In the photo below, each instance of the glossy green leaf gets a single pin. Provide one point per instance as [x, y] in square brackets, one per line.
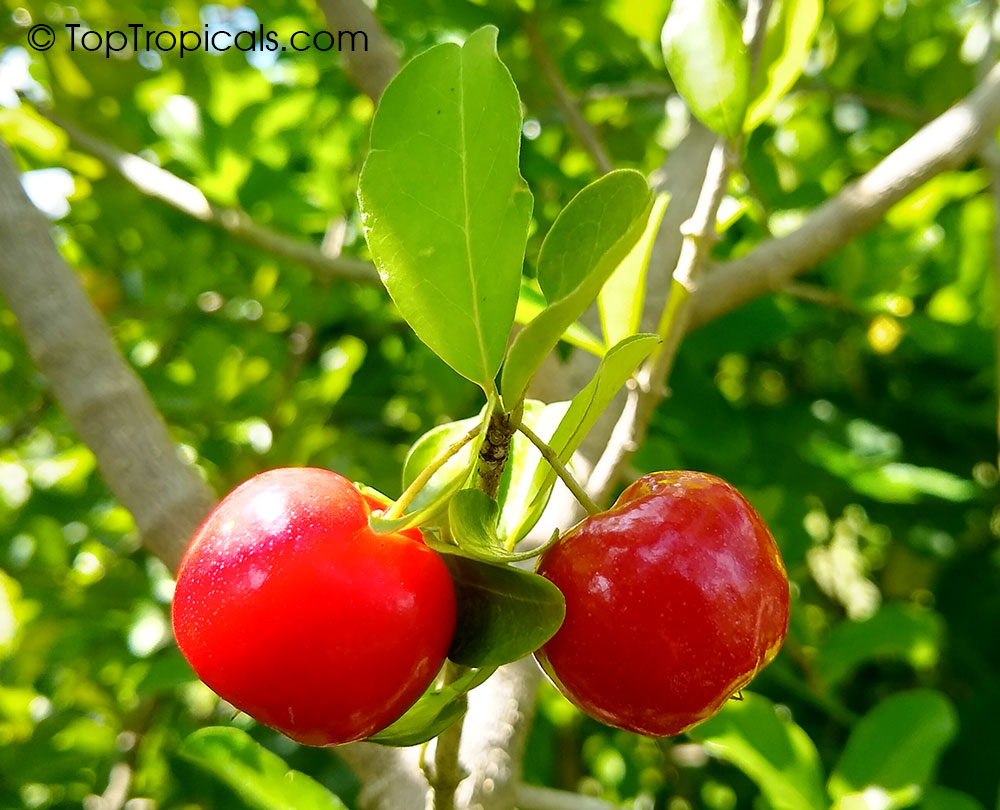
[443, 204]
[703, 47]
[623, 295]
[791, 27]
[905, 632]
[895, 745]
[617, 366]
[589, 238]
[504, 613]
[435, 711]
[433, 497]
[769, 748]
[260, 778]
[531, 302]
[472, 517]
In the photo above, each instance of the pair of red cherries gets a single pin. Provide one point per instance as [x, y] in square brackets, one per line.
[293, 609]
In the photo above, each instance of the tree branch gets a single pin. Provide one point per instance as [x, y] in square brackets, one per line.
[371, 69]
[103, 398]
[945, 143]
[187, 198]
[579, 126]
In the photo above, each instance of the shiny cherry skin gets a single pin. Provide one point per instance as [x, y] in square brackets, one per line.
[675, 598]
[291, 608]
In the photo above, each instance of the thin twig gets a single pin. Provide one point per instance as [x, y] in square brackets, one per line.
[187, 198]
[580, 126]
[404, 500]
[560, 469]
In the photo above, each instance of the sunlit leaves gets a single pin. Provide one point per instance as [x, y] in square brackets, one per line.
[259, 777]
[769, 748]
[703, 48]
[443, 204]
[591, 235]
[791, 26]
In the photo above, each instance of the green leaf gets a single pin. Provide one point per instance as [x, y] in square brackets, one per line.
[897, 631]
[447, 480]
[791, 27]
[531, 302]
[443, 204]
[583, 411]
[769, 748]
[591, 235]
[941, 798]
[896, 745]
[503, 613]
[262, 779]
[517, 491]
[707, 60]
[624, 294]
[436, 710]
[472, 516]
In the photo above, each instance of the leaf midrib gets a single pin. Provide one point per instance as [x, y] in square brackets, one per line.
[477, 319]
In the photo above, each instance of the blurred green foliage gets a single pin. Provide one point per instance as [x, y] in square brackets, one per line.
[856, 409]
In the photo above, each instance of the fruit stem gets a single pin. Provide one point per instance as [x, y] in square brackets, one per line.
[404, 500]
[571, 483]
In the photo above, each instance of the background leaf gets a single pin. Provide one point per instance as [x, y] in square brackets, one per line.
[896, 745]
[896, 631]
[769, 748]
[503, 613]
[443, 204]
[591, 235]
[791, 27]
[259, 777]
[624, 293]
[703, 48]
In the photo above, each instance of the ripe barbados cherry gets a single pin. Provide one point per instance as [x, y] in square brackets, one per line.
[290, 607]
[675, 598]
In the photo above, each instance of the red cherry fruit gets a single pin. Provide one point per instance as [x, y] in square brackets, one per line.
[675, 598]
[290, 607]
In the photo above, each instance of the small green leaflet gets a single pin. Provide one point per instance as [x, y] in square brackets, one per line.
[772, 750]
[504, 613]
[435, 711]
[896, 745]
[623, 295]
[616, 367]
[791, 27]
[707, 60]
[589, 238]
[531, 302]
[472, 517]
[444, 207]
[260, 778]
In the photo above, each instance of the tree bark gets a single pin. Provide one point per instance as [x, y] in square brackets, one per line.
[103, 398]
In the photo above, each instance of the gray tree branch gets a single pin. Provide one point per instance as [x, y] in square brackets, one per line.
[187, 198]
[101, 395]
[951, 139]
